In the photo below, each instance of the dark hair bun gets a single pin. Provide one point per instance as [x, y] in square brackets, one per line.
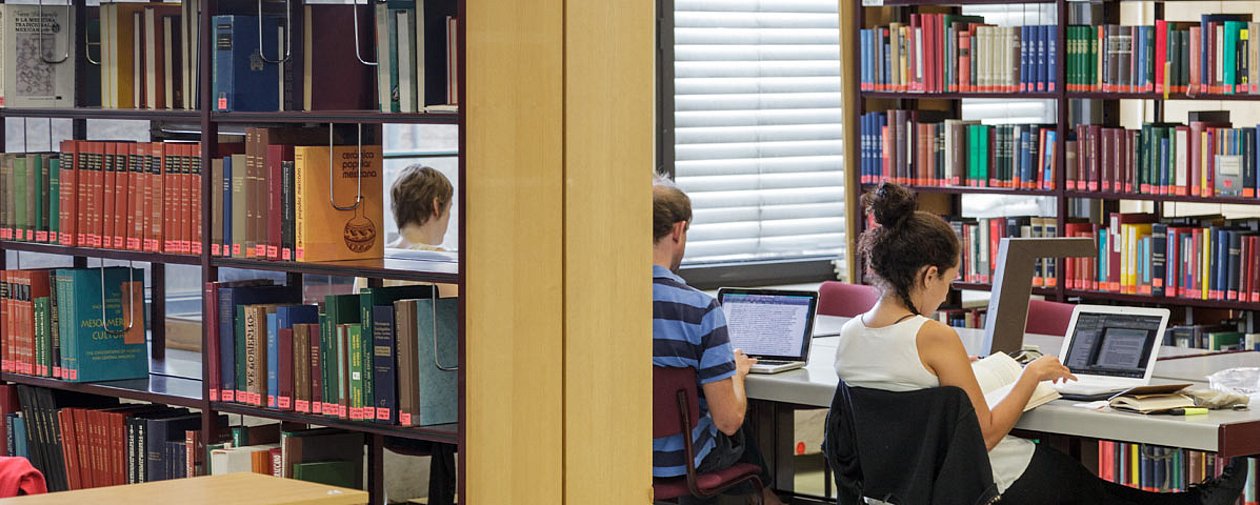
[891, 204]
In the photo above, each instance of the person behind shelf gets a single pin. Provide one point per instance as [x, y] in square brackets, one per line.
[421, 202]
[913, 256]
[689, 330]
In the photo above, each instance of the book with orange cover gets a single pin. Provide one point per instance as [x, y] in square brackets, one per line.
[125, 204]
[107, 217]
[194, 198]
[182, 244]
[333, 226]
[169, 194]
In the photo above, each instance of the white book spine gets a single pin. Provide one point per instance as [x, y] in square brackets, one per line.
[406, 85]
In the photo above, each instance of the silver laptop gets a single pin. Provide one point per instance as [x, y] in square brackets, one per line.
[1111, 349]
[771, 325]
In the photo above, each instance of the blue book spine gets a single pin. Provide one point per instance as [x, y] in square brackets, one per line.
[1102, 258]
[1048, 157]
[1139, 54]
[19, 437]
[384, 366]
[887, 51]
[243, 80]
[273, 360]
[1042, 49]
[1052, 55]
[865, 37]
[1027, 169]
[158, 433]
[226, 211]
[864, 140]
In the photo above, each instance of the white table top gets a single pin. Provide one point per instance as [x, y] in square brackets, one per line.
[815, 384]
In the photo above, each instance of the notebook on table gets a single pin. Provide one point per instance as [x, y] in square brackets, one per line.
[1110, 349]
[772, 325]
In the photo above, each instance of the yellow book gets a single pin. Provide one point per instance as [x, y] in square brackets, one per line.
[123, 43]
[1135, 234]
[1135, 468]
[340, 229]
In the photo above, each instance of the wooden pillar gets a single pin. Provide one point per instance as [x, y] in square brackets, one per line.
[559, 159]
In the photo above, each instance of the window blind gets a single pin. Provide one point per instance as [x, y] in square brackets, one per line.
[757, 121]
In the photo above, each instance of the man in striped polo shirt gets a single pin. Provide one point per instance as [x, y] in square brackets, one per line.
[689, 330]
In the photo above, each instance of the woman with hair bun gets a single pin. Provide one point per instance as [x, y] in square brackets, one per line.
[913, 257]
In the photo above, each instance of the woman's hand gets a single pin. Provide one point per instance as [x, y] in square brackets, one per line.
[1048, 368]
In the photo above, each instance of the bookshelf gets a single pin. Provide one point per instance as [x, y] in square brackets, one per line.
[162, 387]
[946, 199]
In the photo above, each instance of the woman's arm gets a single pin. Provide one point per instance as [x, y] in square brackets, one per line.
[942, 353]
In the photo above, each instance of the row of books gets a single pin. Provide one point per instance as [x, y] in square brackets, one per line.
[323, 455]
[81, 441]
[54, 325]
[1205, 258]
[980, 239]
[1205, 158]
[923, 149]
[147, 57]
[385, 355]
[273, 200]
[962, 318]
[138, 196]
[1165, 469]
[1213, 56]
[937, 53]
[1224, 336]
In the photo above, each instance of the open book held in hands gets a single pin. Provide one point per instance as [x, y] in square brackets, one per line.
[1153, 399]
[998, 373]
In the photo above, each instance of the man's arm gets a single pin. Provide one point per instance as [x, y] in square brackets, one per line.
[727, 401]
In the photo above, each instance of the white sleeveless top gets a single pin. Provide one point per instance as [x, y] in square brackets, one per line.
[888, 358]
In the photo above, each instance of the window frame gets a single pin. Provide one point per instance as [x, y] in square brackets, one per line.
[754, 273]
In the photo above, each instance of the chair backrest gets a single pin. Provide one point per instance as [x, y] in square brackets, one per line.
[667, 384]
[842, 299]
[1048, 318]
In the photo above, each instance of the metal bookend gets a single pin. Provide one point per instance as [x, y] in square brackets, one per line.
[332, 189]
[437, 362]
[357, 53]
[131, 287]
[288, 34]
[87, 55]
[40, 38]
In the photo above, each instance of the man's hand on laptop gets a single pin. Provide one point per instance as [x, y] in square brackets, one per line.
[1048, 368]
[743, 363]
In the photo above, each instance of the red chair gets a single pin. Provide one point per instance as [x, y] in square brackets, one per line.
[842, 299]
[675, 410]
[1048, 318]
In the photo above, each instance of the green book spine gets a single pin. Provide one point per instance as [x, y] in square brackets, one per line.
[40, 192]
[395, 104]
[354, 336]
[1230, 53]
[325, 338]
[340, 309]
[984, 150]
[54, 200]
[20, 221]
[65, 314]
[41, 335]
[971, 154]
[368, 299]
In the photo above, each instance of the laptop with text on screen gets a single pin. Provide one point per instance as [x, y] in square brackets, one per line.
[1111, 349]
[772, 325]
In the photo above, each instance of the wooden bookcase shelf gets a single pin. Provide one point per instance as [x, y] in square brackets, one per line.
[164, 388]
[443, 433]
[871, 100]
[982, 286]
[99, 113]
[92, 252]
[175, 391]
[335, 116]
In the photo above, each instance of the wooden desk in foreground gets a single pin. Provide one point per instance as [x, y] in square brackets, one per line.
[233, 488]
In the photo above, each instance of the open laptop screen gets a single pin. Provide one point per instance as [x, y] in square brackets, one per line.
[770, 324]
[1116, 345]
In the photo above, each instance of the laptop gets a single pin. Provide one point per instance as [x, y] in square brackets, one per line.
[772, 325]
[1110, 349]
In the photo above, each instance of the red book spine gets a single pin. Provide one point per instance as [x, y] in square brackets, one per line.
[6, 322]
[66, 419]
[194, 198]
[1254, 290]
[275, 177]
[144, 197]
[135, 198]
[82, 456]
[169, 163]
[157, 196]
[1161, 53]
[284, 397]
[185, 199]
[107, 217]
[1209, 163]
[29, 299]
[68, 198]
[913, 63]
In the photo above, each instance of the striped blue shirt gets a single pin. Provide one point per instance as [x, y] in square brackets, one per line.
[688, 330]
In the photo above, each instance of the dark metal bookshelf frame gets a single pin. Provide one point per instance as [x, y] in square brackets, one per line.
[1063, 97]
[194, 393]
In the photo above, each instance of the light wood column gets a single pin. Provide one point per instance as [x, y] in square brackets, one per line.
[559, 160]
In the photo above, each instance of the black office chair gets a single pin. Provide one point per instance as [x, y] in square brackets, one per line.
[907, 448]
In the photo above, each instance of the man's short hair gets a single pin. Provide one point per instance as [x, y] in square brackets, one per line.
[670, 205]
[413, 194]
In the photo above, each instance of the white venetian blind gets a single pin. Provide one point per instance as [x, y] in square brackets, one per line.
[758, 128]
